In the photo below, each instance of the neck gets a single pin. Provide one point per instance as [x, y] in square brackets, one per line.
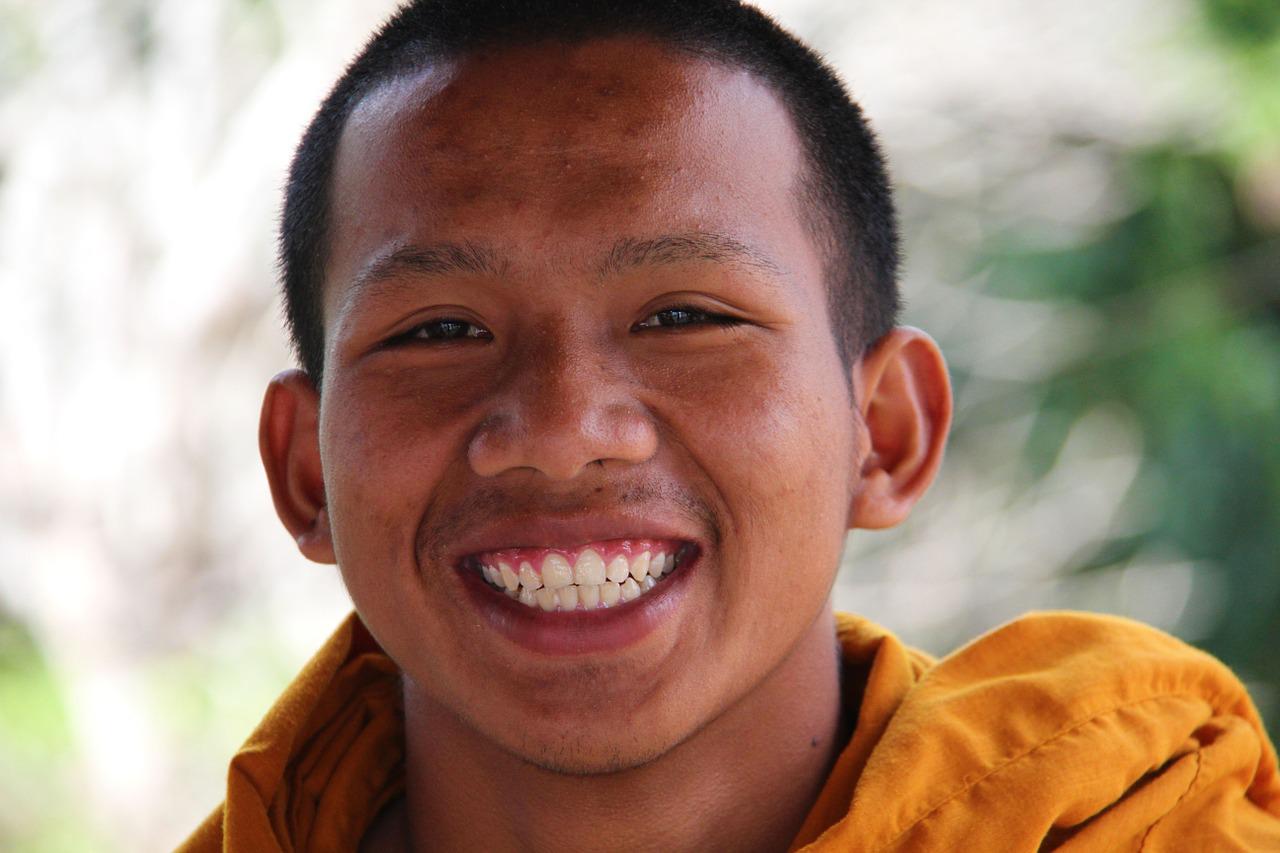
[773, 750]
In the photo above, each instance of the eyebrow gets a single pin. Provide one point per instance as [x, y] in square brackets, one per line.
[468, 258]
[434, 260]
[710, 246]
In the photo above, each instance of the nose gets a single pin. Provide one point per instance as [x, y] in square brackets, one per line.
[562, 408]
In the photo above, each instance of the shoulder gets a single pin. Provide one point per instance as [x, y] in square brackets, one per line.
[1050, 692]
[1062, 725]
[1067, 665]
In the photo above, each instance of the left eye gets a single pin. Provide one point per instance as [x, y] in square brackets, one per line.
[684, 316]
[446, 329]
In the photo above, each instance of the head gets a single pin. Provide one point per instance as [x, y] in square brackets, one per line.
[844, 186]
[606, 277]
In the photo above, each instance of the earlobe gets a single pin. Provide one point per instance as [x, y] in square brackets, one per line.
[289, 441]
[903, 394]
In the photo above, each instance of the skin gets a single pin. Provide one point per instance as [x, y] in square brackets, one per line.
[752, 437]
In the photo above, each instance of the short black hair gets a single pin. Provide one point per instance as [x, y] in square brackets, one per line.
[846, 186]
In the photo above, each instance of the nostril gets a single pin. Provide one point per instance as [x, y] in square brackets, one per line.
[559, 444]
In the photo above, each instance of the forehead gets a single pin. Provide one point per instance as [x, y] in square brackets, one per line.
[554, 149]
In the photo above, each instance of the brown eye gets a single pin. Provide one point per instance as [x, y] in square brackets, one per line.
[446, 329]
[684, 316]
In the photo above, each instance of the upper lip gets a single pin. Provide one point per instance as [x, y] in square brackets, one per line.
[570, 531]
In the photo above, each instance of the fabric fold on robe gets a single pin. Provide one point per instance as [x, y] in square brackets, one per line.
[323, 762]
[1057, 731]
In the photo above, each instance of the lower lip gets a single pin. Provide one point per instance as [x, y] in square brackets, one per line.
[578, 632]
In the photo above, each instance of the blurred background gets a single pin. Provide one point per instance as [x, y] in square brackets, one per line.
[1091, 205]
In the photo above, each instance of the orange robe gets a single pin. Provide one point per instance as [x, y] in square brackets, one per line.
[1058, 731]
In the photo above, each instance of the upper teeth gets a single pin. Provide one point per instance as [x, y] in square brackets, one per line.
[585, 584]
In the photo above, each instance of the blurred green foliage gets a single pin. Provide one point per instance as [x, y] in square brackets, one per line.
[37, 755]
[1243, 23]
[1187, 286]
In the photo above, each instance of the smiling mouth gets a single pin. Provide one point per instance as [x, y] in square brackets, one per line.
[594, 576]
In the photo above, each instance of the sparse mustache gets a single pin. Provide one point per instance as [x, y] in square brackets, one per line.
[491, 502]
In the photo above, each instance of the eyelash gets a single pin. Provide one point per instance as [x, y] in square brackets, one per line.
[413, 335]
[690, 317]
[700, 318]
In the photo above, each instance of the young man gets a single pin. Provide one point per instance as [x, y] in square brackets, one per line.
[595, 304]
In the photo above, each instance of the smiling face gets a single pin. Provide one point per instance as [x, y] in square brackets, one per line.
[574, 316]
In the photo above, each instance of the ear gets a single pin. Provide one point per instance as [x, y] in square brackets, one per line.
[903, 393]
[289, 440]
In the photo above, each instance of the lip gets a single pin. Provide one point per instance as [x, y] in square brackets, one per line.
[568, 532]
[580, 632]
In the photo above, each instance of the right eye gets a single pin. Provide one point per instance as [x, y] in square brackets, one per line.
[443, 329]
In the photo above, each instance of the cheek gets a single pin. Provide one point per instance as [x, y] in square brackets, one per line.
[771, 416]
[773, 430]
[378, 419]
[384, 445]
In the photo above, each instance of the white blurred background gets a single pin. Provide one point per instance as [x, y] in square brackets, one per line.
[151, 607]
